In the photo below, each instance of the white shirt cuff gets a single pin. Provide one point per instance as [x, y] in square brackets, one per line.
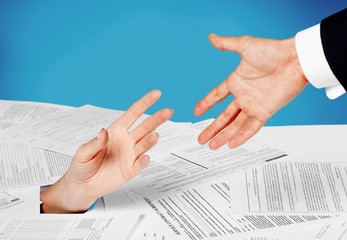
[314, 64]
[334, 91]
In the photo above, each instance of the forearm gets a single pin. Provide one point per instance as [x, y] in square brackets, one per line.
[65, 197]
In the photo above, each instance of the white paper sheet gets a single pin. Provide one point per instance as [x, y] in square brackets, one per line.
[8, 200]
[199, 126]
[334, 230]
[323, 143]
[173, 136]
[14, 113]
[20, 203]
[66, 131]
[123, 202]
[203, 212]
[147, 229]
[195, 165]
[154, 236]
[290, 187]
[120, 202]
[91, 225]
[57, 227]
[23, 166]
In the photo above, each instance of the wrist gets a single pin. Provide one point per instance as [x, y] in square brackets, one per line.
[65, 196]
[293, 59]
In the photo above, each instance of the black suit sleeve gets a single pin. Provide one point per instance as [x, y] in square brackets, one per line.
[333, 31]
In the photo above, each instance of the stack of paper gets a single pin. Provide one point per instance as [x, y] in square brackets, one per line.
[256, 191]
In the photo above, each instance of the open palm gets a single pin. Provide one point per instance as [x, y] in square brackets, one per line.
[116, 156]
[105, 163]
[268, 77]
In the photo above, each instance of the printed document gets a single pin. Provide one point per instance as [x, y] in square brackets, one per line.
[290, 187]
[126, 202]
[203, 212]
[14, 113]
[8, 200]
[57, 227]
[336, 229]
[196, 164]
[22, 166]
[66, 131]
[20, 203]
[67, 226]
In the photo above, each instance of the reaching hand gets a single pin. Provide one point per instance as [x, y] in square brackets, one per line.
[268, 77]
[108, 161]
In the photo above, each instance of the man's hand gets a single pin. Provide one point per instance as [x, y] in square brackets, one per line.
[107, 162]
[268, 77]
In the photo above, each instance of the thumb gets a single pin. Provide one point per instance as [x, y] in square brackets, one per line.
[88, 150]
[233, 44]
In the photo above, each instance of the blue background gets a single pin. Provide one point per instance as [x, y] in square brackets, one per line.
[109, 53]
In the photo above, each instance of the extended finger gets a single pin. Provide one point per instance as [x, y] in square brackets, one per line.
[230, 131]
[88, 150]
[150, 124]
[145, 144]
[248, 131]
[137, 109]
[233, 44]
[140, 164]
[217, 94]
[223, 120]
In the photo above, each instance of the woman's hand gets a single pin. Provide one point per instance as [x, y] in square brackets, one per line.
[107, 162]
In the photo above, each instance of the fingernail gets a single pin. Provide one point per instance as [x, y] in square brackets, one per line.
[171, 111]
[201, 139]
[214, 35]
[145, 165]
[138, 169]
[156, 93]
[153, 137]
[212, 145]
[99, 135]
[232, 144]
